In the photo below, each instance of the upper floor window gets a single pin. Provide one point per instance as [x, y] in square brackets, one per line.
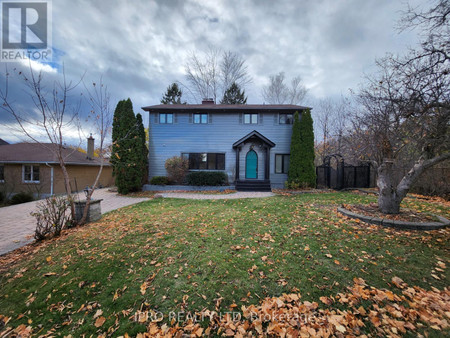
[281, 163]
[205, 161]
[31, 173]
[165, 118]
[286, 119]
[2, 173]
[251, 118]
[201, 118]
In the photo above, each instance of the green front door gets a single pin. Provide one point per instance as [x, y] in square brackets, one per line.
[251, 165]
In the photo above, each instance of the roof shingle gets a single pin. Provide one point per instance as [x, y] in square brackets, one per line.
[43, 153]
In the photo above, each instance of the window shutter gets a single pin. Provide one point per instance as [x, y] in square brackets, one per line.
[210, 118]
[156, 118]
[240, 118]
[190, 117]
[260, 118]
[275, 119]
[175, 118]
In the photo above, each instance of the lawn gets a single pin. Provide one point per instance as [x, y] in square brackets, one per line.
[166, 256]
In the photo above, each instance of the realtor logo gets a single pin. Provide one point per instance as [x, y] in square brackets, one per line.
[26, 31]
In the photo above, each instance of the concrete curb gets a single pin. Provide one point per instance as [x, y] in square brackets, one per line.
[443, 222]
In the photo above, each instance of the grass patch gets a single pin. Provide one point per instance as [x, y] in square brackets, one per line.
[174, 254]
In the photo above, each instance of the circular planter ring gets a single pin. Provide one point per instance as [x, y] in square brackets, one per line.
[402, 225]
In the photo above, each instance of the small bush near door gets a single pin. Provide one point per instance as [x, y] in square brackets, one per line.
[207, 178]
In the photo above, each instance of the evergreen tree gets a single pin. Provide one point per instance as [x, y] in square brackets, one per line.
[126, 155]
[302, 172]
[294, 172]
[233, 95]
[172, 95]
[143, 139]
[308, 177]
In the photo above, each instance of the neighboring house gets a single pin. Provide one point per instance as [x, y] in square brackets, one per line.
[250, 143]
[34, 168]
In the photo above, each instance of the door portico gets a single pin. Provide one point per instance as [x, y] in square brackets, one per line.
[253, 157]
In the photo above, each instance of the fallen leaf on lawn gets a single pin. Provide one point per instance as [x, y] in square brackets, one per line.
[398, 282]
[100, 321]
[98, 313]
[48, 274]
[326, 300]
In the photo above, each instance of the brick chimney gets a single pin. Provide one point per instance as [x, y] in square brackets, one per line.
[208, 100]
[90, 147]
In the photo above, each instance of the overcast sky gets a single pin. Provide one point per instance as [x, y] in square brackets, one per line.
[140, 47]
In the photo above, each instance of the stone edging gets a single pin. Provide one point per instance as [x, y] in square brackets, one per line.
[443, 222]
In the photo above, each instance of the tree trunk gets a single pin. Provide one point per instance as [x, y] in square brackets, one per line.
[89, 195]
[68, 190]
[390, 197]
[388, 201]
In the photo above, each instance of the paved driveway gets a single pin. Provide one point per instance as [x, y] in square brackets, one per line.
[17, 225]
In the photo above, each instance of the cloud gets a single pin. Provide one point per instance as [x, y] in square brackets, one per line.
[140, 47]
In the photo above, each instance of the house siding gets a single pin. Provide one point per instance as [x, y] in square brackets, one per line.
[218, 136]
[82, 175]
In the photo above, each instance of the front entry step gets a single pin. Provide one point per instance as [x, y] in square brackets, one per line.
[253, 186]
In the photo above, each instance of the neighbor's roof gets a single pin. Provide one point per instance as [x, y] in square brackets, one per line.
[226, 107]
[3, 142]
[42, 153]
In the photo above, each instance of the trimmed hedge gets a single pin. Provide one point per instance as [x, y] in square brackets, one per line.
[208, 178]
[159, 180]
[21, 197]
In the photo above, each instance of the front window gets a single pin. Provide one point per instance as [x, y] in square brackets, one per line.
[286, 119]
[31, 173]
[2, 173]
[165, 118]
[201, 118]
[251, 118]
[205, 161]
[281, 163]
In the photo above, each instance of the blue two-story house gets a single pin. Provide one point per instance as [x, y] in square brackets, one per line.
[250, 143]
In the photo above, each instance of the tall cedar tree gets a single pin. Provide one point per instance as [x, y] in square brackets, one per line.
[233, 95]
[172, 95]
[302, 172]
[143, 139]
[126, 156]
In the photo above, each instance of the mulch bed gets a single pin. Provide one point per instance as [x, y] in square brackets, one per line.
[406, 215]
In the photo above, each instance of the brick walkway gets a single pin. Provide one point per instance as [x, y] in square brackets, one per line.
[17, 225]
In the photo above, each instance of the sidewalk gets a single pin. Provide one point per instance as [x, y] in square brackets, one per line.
[17, 225]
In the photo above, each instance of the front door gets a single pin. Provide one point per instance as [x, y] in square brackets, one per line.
[251, 165]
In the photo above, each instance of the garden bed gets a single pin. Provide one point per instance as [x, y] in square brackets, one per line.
[407, 219]
[405, 215]
[189, 188]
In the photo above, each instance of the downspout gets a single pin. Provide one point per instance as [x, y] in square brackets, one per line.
[51, 178]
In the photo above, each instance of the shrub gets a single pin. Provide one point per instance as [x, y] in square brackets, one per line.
[21, 197]
[177, 168]
[209, 178]
[2, 197]
[159, 180]
[52, 216]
